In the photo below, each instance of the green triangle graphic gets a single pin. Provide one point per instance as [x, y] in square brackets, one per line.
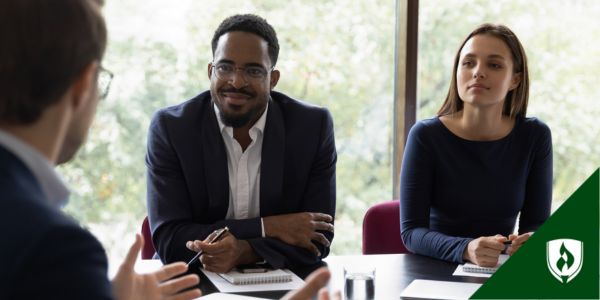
[526, 274]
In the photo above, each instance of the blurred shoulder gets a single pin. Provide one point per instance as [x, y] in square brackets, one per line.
[44, 241]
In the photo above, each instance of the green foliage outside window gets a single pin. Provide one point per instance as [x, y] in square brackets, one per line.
[338, 54]
[562, 42]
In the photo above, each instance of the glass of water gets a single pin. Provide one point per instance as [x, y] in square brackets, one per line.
[359, 282]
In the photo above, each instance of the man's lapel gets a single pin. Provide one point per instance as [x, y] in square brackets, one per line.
[214, 158]
[272, 160]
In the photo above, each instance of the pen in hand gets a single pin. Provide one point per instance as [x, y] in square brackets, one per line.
[218, 234]
[507, 244]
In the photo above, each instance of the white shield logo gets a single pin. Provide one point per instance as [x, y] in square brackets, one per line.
[564, 258]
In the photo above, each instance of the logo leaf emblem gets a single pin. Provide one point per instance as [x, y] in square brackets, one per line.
[561, 261]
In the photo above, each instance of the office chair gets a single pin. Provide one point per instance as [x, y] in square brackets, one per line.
[381, 229]
[148, 249]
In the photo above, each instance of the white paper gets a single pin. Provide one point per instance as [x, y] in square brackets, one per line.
[217, 296]
[225, 287]
[461, 272]
[433, 289]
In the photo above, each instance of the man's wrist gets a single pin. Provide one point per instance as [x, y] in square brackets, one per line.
[268, 226]
[247, 254]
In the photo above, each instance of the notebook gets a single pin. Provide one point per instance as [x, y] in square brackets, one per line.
[270, 276]
[225, 286]
[473, 268]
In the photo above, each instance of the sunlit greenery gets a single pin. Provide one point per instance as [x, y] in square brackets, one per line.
[333, 53]
[338, 54]
[562, 41]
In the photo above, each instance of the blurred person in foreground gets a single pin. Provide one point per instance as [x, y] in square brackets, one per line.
[51, 81]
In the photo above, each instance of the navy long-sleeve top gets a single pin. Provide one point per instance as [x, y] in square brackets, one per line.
[454, 190]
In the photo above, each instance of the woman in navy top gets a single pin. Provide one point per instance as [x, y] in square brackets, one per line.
[470, 172]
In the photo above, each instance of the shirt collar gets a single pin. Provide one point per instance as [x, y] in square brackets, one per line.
[43, 170]
[259, 125]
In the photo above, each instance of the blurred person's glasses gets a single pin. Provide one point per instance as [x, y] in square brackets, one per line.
[226, 71]
[104, 78]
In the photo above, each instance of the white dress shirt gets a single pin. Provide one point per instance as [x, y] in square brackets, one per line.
[244, 169]
[43, 170]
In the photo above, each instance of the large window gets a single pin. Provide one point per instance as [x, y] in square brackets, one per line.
[562, 42]
[338, 54]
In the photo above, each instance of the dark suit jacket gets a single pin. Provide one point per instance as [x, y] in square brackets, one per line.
[43, 253]
[188, 185]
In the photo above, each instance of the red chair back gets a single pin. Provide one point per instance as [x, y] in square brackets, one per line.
[381, 229]
[148, 249]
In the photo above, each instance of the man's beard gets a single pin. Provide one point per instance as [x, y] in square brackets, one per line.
[236, 120]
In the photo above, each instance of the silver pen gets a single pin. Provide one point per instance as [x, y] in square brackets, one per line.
[219, 233]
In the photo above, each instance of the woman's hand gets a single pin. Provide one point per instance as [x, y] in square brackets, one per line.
[484, 251]
[517, 242]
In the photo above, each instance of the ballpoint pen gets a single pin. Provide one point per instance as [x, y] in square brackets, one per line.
[507, 244]
[218, 234]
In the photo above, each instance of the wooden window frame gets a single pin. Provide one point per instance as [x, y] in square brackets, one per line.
[405, 82]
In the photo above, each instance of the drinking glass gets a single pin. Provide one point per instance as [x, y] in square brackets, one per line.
[359, 282]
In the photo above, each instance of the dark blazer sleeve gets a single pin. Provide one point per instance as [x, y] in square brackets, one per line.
[44, 254]
[57, 262]
[319, 196]
[71, 264]
[174, 216]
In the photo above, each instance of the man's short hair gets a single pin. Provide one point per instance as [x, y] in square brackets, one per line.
[252, 24]
[44, 46]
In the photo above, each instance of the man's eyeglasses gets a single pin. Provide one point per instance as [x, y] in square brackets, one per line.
[104, 78]
[226, 71]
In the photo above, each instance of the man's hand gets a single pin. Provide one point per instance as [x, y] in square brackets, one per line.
[517, 242]
[128, 285]
[299, 229]
[315, 283]
[484, 251]
[223, 255]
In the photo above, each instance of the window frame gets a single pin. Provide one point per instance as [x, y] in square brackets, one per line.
[405, 82]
